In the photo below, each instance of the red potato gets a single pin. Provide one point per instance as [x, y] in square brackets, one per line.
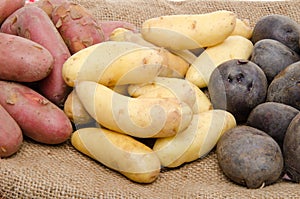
[23, 60]
[33, 23]
[109, 26]
[7, 7]
[39, 119]
[11, 136]
[77, 26]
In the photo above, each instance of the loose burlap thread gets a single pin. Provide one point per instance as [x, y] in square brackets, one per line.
[42, 171]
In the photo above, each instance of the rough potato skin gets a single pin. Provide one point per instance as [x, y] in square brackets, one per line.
[11, 136]
[48, 5]
[33, 23]
[273, 118]
[285, 87]
[77, 26]
[39, 119]
[279, 27]
[272, 57]
[291, 150]
[249, 157]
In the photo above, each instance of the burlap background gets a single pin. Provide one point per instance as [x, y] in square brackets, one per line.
[40, 171]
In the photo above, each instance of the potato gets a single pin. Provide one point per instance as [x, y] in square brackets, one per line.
[182, 32]
[291, 150]
[196, 141]
[234, 47]
[278, 27]
[77, 26]
[285, 86]
[272, 57]
[23, 60]
[7, 7]
[242, 28]
[11, 136]
[237, 86]
[163, 87]
[119, 152]
[48, 5]
[174, 66]
[109, 27]
[249, 157]
[33, 23]
[273, 118]
[138, 117]
[120, 63]
[39, 119]
[75, 111]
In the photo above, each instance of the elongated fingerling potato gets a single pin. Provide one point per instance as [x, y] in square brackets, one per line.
[234, 47]
[138, 117]
[23, 60]
[33, 23]
[197, 140]
[164, 87]
[182, 32]
[38, 118]
[113, 63]
[119, 152]
[11, 136]
[174, 66]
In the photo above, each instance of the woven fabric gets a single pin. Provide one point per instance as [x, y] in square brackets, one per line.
[41, 171]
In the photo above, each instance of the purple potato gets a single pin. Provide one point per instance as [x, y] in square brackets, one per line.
[285, 87]
[237, 86]
[249, 157]
[272, 57]
[278, 27]
[291, 150]
[273, 118]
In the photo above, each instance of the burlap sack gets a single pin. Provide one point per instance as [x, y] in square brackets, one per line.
[40, 171]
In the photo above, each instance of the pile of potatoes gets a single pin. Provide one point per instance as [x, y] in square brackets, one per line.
[137, 99]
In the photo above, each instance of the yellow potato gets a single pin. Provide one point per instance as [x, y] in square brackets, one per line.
[234, 47]
[163, 87]
[119, 152]
[197, 140]
[113, 63]
[242, 28]
[180, 32]
[75, 111]
[138, 117]
[174, 66]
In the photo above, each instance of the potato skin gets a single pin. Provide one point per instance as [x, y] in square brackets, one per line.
[77, 26]
[291, 150]
[38, 118]
[272, 57]
[285, 87]
[49, 5]
[11, 136]
[23, 60]
[273, 118]
[249, 157]
[33, 23]
[279, 27]
[237, 86]
[119, 152]
[7, 7]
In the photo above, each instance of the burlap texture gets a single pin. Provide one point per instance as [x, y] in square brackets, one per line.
[40, 171]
